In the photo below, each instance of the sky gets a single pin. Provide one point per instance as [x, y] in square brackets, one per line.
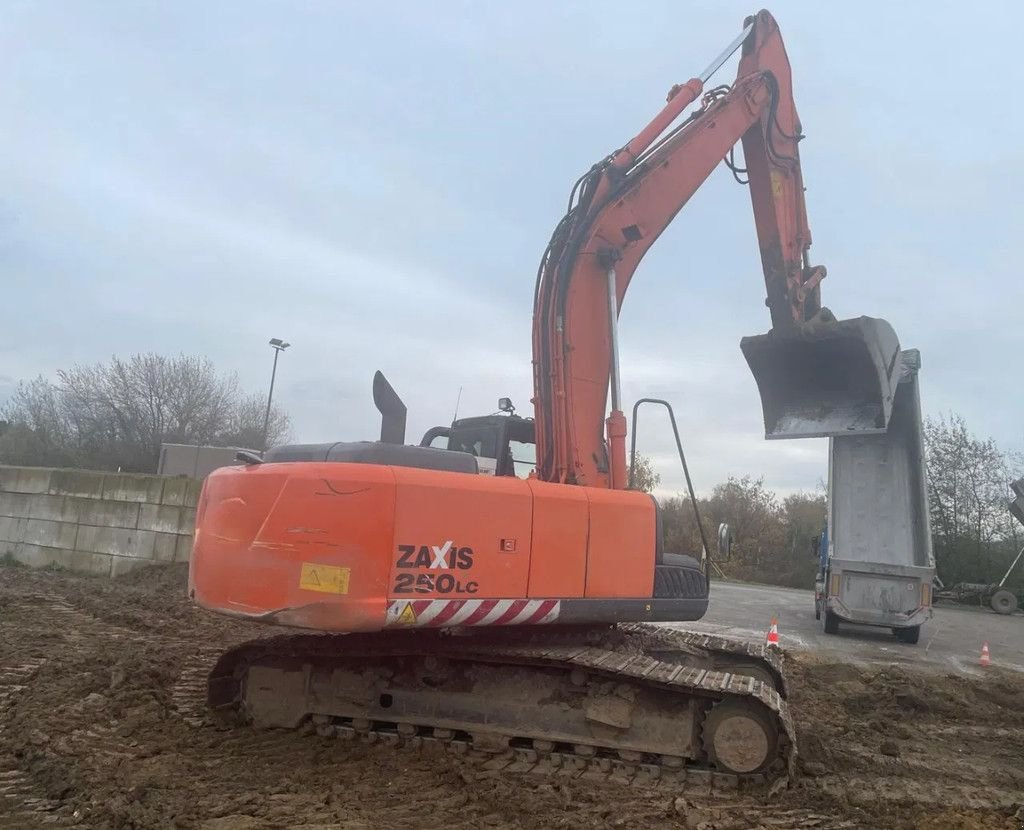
[375, 183]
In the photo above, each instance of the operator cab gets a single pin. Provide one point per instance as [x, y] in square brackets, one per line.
[503, 444]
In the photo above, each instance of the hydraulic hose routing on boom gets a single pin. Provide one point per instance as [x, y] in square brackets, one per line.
[816, 376]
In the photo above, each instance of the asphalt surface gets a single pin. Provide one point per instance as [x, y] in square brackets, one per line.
[951, 640]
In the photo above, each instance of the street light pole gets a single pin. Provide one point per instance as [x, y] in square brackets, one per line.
[278, 346]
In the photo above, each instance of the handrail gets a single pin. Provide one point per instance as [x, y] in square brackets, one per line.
[686, 471]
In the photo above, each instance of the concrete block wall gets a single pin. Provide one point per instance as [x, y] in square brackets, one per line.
[102, 523]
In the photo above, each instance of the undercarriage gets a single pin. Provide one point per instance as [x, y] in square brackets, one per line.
[639, 700]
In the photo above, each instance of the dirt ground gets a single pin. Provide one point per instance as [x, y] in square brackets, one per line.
[102, 725]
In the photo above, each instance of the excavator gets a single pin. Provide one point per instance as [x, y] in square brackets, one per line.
[510, 615]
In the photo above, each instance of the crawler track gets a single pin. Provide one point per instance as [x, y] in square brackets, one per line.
[642, 703]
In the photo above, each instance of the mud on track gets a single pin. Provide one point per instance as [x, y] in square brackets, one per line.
[102, 725]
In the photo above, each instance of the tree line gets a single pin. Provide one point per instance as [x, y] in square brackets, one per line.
[116, 415]
[974, 536]
[772, 536]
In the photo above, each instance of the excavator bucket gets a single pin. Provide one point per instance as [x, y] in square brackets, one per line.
[829, 377]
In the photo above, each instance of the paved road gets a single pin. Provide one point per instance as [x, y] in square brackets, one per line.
[951, 639]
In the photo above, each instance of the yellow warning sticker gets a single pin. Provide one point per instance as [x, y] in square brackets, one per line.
[408, 616]
[329, 579]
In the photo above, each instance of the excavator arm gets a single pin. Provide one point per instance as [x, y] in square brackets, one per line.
[617, 211]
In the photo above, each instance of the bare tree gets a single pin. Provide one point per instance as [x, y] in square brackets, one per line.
[37, 433]
[125, 409]
[116, 415]
[245, 427]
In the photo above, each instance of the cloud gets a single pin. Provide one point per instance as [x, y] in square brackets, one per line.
[376, 184]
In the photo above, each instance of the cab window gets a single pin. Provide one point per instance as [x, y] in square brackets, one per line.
[524, 457]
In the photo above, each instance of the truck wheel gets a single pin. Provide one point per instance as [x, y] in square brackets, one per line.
[831, 623]
[908, 635]
[1003, 601]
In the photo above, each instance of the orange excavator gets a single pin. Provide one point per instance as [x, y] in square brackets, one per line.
[509, 615]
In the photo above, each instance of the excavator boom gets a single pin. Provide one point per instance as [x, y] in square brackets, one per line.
[816, 377]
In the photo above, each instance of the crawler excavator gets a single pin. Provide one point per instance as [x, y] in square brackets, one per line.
[509, 616]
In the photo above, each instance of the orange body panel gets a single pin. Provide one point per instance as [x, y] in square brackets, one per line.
[339, 547]
[561, 525]
[620, 556]
[263, 531]
[458, 536]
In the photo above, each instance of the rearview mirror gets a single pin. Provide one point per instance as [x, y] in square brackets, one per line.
[725, 540]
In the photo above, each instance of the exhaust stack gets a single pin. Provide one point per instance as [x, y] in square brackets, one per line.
[392, 410]
[829, 377]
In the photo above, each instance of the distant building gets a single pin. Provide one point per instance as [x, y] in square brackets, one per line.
[194, 461]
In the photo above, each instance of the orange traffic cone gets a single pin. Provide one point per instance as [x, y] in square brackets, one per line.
[773, 634]
[986, 658]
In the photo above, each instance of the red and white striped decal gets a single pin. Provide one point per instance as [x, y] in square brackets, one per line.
[448, 613]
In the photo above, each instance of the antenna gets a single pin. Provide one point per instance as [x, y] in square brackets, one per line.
[458, 400]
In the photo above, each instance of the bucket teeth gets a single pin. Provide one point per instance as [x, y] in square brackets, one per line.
[828, 377]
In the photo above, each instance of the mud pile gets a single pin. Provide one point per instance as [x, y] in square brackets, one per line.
[102, 724]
